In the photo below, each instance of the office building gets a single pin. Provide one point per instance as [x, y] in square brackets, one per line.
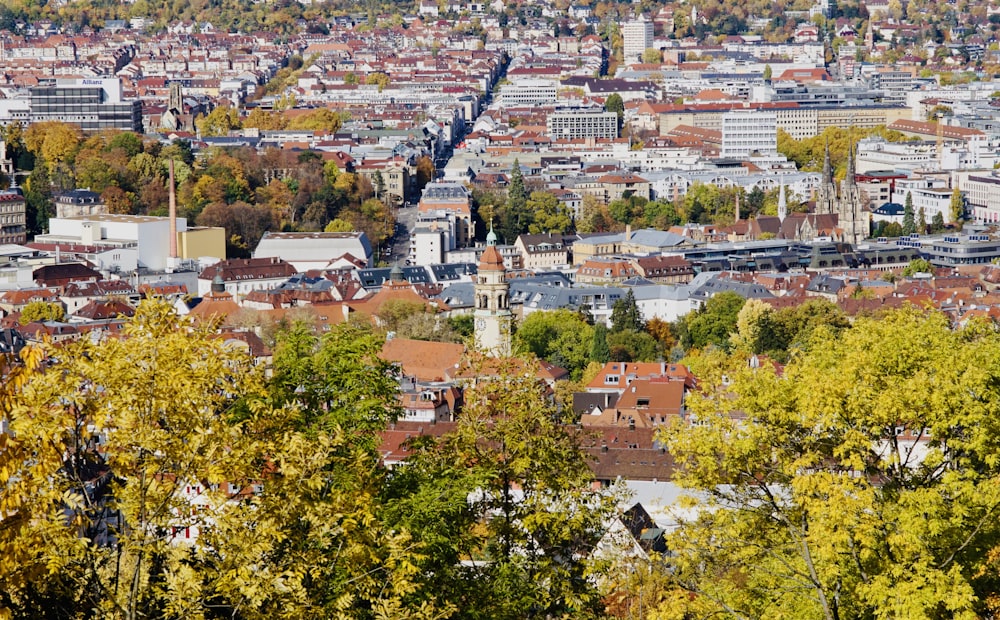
[573, 123]
[637, 37]
[749, 132]
[92, 103]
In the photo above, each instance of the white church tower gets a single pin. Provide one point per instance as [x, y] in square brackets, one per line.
[492, 315]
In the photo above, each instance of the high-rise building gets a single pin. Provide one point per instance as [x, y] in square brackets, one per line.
[637, 37]
[92, 103]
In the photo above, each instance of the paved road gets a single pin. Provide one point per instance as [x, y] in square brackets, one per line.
[406, 219]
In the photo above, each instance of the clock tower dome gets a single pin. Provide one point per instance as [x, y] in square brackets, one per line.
[492, 314]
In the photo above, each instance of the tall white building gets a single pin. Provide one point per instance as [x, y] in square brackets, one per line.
[745, 132]
[637, 36]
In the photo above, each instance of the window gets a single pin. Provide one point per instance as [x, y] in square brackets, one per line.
[611, 379]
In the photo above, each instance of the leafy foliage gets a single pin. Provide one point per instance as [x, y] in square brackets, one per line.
[860, 483]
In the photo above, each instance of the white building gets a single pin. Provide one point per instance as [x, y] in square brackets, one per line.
[931, 195]
[745, 132]
[573, 123]
[982, 194]
[313, 250]
[147, 237]
[528, 92]
[637, 37]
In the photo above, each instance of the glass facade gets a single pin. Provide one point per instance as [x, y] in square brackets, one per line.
[84, 106]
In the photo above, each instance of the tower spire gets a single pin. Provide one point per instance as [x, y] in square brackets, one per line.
[782, 201]
[850, 164]
[827, 169]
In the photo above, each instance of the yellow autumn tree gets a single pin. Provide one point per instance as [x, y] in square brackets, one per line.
[861, 481]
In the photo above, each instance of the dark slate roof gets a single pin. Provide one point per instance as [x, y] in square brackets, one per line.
[453, 271]
[375, 278]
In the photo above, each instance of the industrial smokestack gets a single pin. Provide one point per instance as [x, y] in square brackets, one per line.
[173, 212]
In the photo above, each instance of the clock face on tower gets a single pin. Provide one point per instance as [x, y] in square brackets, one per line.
[480, 323]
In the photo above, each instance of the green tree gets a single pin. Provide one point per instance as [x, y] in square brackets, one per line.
[548, 214]
[937, 222]
[625, 315]
[560, 337]
[633, 346]
[42, 311]
[918, 265]
[614, 103]
[921, 221]
[909, 221]
[509, 489]
[768, 72]
[599, 350]
[713, 323]
[859, 482]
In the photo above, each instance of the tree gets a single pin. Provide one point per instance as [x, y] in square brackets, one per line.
[625, 315]
[957, 206]
[599, 350]
[265, 120]
[41, 311]
[338, 225]
[321, 119]
[425, 172]
[114, 442]
[858, 482]
[560, 337]
[548, 214]
[378, 79]
[918, 265]
[510, 487]
[937, 222]
[713, 323]
[633, 346]
[755, 328]
[909, 221]
[614, 103]
[517, 196]
[768, 72]
[922, 221]
[219, 122]
[652, 56]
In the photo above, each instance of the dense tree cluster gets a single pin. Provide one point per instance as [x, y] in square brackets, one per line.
[246, 192]
[860, 481]
[161, 474]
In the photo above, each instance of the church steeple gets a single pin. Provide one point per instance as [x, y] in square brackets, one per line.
[782, 201]
[827, 168]
[492, 301]
[826, 197]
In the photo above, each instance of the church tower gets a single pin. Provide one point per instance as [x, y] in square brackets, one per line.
[492, 303]
[852, 219]
[826, 197]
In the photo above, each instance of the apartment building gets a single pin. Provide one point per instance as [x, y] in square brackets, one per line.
[574, 123]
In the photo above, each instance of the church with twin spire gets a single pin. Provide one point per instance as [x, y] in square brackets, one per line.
[839, 212]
